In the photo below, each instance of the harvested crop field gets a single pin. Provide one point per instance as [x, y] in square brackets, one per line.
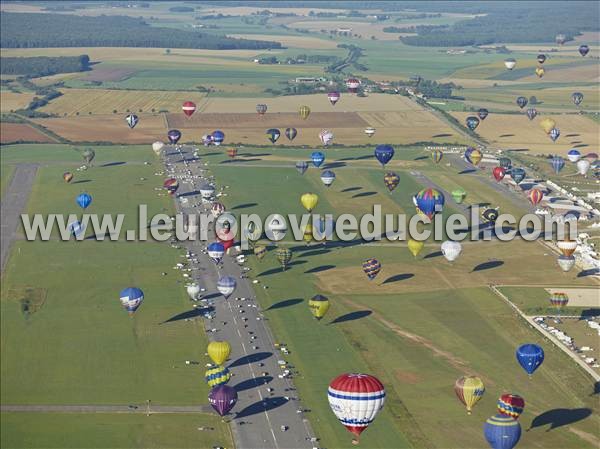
[512, 131]
[107, 128]
[21, 132]
[579, 297]
[104, 101]
[109, 74]
[11, 101]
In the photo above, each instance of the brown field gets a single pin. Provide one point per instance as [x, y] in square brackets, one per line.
[10, 101]
[104, 101]
[580, 297]
[14, 132]
[516, 131]
[107, 128]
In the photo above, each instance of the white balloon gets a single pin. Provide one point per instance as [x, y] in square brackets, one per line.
[451, 250]
[583, 165]
[193, 290]
[157, 147]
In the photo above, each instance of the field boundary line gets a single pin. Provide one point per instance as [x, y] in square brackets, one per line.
[546, 334]
[133, 408]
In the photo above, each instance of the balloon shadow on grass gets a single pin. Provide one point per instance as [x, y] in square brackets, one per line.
[320, 269]
[588, 272]
[81, 181]
[113, 164]
[250, 358]
[252, 383]
[398, 278]
[334, 165]
[351, 189]
[433, 255]
[280, 269]
[189, 314]
[318, 252]
[284, 303]
[244, 206]
[420, 158]
[363, 194]
[559, 417]
[192, 193]
[351, 316]
[261, 406]
[466, 171]
[488, 265]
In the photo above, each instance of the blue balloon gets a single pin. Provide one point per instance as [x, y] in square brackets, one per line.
[218, 137]
[429, 201]
[317, 158]
[518, 174]
[557, 163]
[131, 298]
[83, 200]
[302, 166]
[530, 356]
[216, 251]
[75, 228]
[174, 135]
[384, 153]
[502, 432]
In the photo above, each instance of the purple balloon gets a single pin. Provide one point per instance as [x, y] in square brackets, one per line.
[222, 398]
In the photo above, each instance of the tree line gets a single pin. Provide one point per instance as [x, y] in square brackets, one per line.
[30, 30]
[44, 65]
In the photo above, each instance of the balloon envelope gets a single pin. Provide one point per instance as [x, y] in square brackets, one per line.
[317, 158]
[309, 201]
[217, 376]
[174, 135]
[557, 163]
[219, 351]
[530, 356]
[430, 201]
[511, 405]
[222, 398]
[131, 298]
[83, 200]
[216, 250]
[132, 120]
[188, 108]
[469, 390]
[384, 153]
[451, 250]
[371, 267]
[318, 305]
[291, 133]
[502, 432]
[301, 166]
[391, 180]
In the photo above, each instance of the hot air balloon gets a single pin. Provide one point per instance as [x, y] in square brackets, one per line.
[539, 71]
[592, 156]
[284, 255]
[510, 63]
[391, 180]
[157, 147]
[291, 133]
[217, 376]
[472, 122]
[67, 176]
[226, 286]
[535, 196]
[415, 246]
[370, 132]
[459, 195]
[573, 155]
[88, 155]
[490, 215]
[277, 227]
[193, 290]
[554, 134]
[218, 137]
[301, 166]
[522, 102]
[307, 235]
[505, 163]
[566, 263]
[541, 58]
[317, 158]
[583, 165]
[216, 251]
[430, 201]
[207, 140]
[518, 174]
[326, 137]
[333, 97]
[511, 405]
[76, 228]
[584, 49]
[577, 98]
[451, 250]
[261, 108]
[232, 152]
[469, 390]
[206, 191]
[188, 108]
[217, 209]
[327, 177]
[83, 200]
[352, 84]
[482, 113]
[531, 113]
[499, 173]
[557, 163]
[273, 134]
[174, 135]
[222, 398]
[371, 267]
[567, 247]
[547, 125]
[309, 201]
[318, 305]
[219, 351]
[132, 120]
[560, 39]
[384, 153]
[260, 252]
[171, 185]
[474, 156]
[436, 156]
[530, 356]
[559, 300]
[502, 432]
[131, 299]
[304, 112]
[356, 399]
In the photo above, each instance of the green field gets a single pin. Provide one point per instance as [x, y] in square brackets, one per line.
[6, 172]
[536, 301]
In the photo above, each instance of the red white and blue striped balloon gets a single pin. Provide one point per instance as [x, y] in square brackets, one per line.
[356, 399]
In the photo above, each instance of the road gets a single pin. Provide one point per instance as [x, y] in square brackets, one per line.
[12, 205]
[259, 414]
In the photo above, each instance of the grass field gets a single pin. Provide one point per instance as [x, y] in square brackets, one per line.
[418, 326]
[73, 325]
[6, 172]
